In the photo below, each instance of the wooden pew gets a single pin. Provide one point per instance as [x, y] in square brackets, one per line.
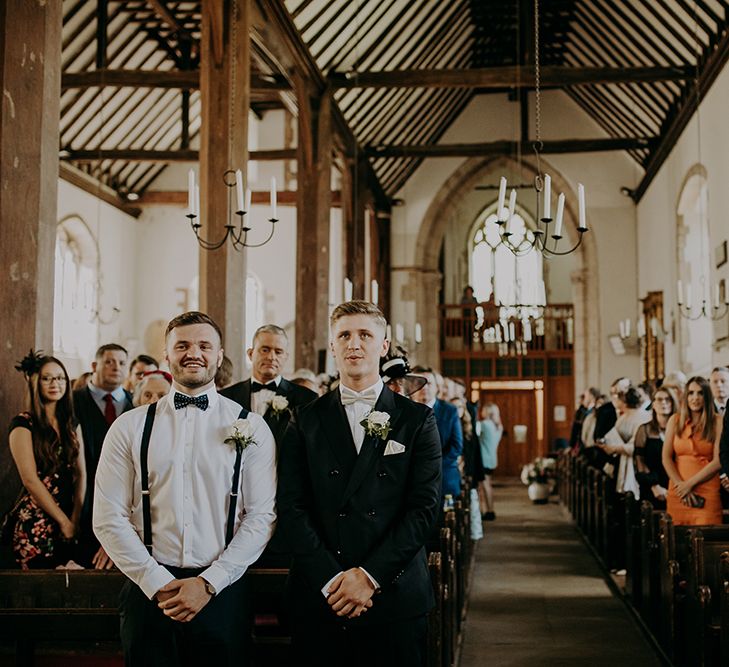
[703, 617]
[724, 592]
[650, 566]
[633, 561]
[435, 620]
[81, 606]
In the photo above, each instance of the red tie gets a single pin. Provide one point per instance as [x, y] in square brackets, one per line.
[110, 410]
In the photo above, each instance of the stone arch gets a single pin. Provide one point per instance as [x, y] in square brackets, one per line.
[584, 279]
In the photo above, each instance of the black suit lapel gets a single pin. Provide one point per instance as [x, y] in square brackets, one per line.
[245, 394]
[372, 446]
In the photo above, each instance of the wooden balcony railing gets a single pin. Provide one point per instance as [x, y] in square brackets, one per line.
[501, 330]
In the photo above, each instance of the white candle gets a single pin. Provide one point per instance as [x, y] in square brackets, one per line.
[374, 292]
[640, 327]
[248, 200]
[627, 328]
[191, 192]
[388, 332]
[347, 289]
[197, 201]
[399, 333]
[560, 215]
[502, 197]
[418, 333]
[581, 205]
[512, 208]
[679, 291]
[621, 329]
[547, 197]
[239, 191]
[689, 296]
[273, 199]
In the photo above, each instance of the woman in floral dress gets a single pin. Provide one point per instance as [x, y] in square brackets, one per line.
[45, 449]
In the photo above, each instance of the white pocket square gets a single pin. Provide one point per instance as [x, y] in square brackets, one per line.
[393, 447]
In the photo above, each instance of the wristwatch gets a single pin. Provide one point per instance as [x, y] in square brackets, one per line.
[209, 588]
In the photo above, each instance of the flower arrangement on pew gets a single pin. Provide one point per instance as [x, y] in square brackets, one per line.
[539, 476]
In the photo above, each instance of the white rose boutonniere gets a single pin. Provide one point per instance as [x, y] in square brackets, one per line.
[240, 434]
[377, 424]
[279, 404]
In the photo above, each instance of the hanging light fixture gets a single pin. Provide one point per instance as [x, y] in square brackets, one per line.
[540, 238]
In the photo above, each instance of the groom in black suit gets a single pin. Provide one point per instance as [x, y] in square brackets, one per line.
[359, 492]
[268, 354]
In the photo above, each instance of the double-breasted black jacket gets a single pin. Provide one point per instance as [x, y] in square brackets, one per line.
[338, 509]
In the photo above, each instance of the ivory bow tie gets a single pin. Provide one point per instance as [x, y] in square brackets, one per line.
[181, 400]
[368, 396]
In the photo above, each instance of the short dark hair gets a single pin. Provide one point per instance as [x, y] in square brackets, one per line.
[109, 347]
[193, 317]
[595, 392]
[143, 359]
[630, 397]
[357, 308]
[719, 369]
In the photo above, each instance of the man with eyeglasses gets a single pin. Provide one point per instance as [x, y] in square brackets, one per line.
[141, 365]
[96, 407]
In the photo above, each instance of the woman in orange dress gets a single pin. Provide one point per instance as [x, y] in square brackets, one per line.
[691, 458]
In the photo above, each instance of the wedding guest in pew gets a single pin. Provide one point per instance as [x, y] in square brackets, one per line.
[646, 390]
[677, 380]
[605, 417]
[139, 366]
[724, 454]
[153, 386]
[587, 437]
[691, 458]
[619, 442]
[719, 380]
[45, 448]
[649, 470]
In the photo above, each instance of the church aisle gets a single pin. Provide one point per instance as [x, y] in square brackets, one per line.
[538, 596]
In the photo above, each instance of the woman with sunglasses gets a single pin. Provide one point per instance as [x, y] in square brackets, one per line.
[45, 449]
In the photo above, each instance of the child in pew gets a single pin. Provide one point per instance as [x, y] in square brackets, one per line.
[45, 448]
[691, 458]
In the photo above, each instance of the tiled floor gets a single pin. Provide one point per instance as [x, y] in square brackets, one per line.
[538, 597]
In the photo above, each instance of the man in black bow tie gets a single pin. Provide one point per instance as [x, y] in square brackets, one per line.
[360, 474]
[184, 504]
[267, 392]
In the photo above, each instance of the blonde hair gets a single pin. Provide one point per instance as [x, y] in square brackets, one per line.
[357, 308]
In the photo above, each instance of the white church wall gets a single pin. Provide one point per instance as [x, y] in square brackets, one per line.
[114, 233]
[657, 217]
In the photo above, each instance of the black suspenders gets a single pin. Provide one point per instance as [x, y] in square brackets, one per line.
[146, 509]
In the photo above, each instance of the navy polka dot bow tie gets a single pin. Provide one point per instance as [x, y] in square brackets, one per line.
[181, 401]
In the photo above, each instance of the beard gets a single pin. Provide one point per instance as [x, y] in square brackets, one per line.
[192, 380]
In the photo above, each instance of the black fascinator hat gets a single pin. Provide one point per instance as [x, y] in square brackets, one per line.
[395, 370]
[30, 363]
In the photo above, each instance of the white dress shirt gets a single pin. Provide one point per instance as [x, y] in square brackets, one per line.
[260, 400]
[190, 478]
[358, 410]
[118, 398]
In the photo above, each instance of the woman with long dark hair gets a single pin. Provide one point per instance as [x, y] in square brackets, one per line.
[45, 449]
[691, 458]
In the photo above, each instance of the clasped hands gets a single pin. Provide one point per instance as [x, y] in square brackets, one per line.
[182, 599]
[350, 594]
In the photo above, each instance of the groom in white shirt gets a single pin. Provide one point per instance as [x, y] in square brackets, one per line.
[183, 505]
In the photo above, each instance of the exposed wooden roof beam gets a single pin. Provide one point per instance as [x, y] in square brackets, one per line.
[500, 77]
[76, 177]
[263, 197]
[161, 9]
[277, 13]
[140, 155]
[676, 123]
[157, 79]
[508, 147]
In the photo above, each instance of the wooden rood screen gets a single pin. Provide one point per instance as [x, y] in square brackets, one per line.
[522, 360]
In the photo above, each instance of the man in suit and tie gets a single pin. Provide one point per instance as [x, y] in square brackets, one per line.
[449, 427]
[266, 392]
[359, 493]
[96, 406]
